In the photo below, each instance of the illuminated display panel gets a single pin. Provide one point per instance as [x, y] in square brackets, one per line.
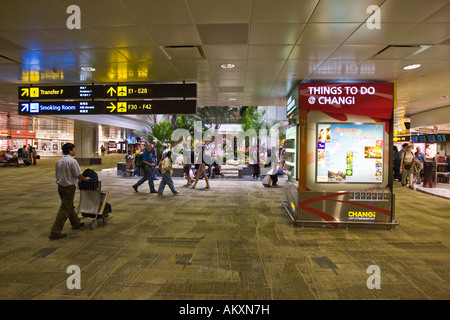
[61, 107]
[38, 93]
[290, 155]
[349, 153]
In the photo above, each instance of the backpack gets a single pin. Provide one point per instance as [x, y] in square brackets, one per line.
[138, 161]
[91, 174]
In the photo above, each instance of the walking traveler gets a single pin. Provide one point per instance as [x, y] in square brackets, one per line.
[149, 165]
[166, 174]
[67, 172]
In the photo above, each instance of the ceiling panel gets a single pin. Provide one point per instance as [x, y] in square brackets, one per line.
[174, 35]
[343, 10]
[269, 51]
[220, 12]
[275, 33]
[10, 21]
[442, 15]
[224, 52]
[98, 13]
[388, 33]
[143, 53]
[31, 39]
[356, 52]
[125, 36]
[52, 14]
[312, 52]
[223, 34]
[286, 11]
[425, 33]
[410, 11]
[327, 33]
[157, 12]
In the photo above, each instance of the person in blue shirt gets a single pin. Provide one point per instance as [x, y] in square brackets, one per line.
[149, 165]
[419, 155]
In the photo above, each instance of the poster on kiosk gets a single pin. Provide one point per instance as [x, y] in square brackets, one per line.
[344, 156]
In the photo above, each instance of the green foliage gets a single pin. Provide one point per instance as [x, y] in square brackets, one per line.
[213, 117]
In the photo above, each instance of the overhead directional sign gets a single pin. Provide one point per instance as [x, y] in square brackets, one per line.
[61, 92]
[151, 107]
[61, 107]
[146, 98]
[151, 91]
[108, 107]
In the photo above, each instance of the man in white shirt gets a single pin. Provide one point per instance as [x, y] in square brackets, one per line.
[67, 172]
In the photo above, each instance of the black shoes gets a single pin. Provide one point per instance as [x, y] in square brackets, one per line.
[135, 188]
[56, 236]
[78, 226]
[153, 191]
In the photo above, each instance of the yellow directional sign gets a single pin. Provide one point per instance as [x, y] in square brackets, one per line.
[121, 107]
[111, 107]
[34, 92]
[111, 91]
[25, 92]
[121, 91]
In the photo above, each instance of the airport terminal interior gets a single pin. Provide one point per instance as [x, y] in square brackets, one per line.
[345, 83]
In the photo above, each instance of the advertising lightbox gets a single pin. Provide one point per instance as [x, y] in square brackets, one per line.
[349, 153]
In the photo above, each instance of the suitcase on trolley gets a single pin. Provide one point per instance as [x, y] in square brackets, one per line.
[93, 202]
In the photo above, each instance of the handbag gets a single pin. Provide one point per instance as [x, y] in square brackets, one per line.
[266, 181]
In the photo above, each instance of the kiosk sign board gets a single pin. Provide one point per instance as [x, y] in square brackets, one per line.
[366, 99]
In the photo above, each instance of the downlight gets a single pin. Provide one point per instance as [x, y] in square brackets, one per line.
[90, 69]
[227, 65]
[411, 66]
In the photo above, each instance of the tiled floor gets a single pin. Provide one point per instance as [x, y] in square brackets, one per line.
[233, 241]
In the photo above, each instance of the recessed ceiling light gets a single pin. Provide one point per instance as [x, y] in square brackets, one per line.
[411, 66]
[227, 65]
[90, 69]
[232, 99]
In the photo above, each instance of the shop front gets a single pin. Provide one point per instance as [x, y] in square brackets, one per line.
[13, 140]
[341, 155]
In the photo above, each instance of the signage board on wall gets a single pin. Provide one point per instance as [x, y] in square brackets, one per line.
[368, 99]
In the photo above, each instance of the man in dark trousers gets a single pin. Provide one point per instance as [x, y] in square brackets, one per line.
[67, 172]
[149, 165]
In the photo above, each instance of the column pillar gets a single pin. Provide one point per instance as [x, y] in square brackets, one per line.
[86, 141]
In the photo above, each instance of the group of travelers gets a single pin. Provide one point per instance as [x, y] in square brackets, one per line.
[27, 154]
[270, 161]
[68, 173]
[149, 165]
[408, 165]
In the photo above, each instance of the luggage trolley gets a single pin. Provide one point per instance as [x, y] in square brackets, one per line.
[93, 202]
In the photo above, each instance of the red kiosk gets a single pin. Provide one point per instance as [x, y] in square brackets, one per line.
[338, 155]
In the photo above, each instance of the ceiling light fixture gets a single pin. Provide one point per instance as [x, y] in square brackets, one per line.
[232, 99]
[411, 66]
[227, 65]
[90, 69]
